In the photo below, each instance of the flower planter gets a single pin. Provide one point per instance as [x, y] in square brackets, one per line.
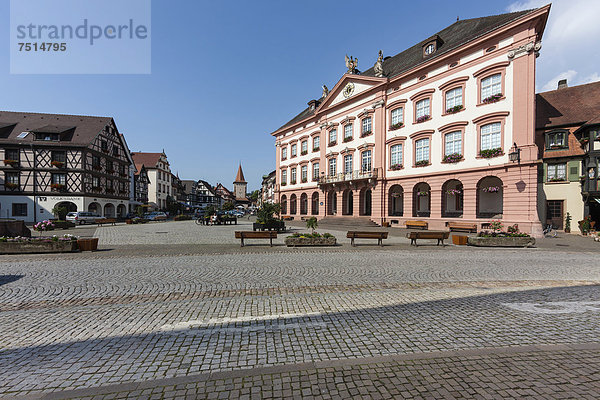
[300, 241]
[38, 246]
[88, 244]
[460, 240]
[501, 241]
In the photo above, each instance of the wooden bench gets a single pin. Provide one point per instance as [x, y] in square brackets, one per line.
[367, 235]
[439, 235]
[462, 226]
[100, 222]
[256, 235]
[416, 224]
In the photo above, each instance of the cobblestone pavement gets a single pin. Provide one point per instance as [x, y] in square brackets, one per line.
[504, 323]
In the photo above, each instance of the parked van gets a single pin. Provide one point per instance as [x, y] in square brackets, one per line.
[83, 217]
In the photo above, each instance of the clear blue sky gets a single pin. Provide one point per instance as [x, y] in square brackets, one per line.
[226, 74]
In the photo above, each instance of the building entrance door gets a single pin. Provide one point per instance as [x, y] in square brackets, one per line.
[554, 213]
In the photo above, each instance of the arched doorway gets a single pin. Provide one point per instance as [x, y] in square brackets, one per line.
[63, 208]
[490, 197]
[121, 211]
[365, 201]
[303, 204]
[347, 202]
[109, 210]
[421, 200]
[331, 203]
[315, 203]
[293, 204]
[95, 208]
[284, 204]
[452, 199]
[396, 201]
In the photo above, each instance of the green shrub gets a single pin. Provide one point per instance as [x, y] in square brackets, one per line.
[182, 217]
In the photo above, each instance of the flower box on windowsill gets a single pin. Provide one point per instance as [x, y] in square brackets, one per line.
[332, 143]
[455, 109]
[283, 183]
[422, 118]
[557, 147]
[58, 187]
[315, 179]
[555, 180]
[396, 126]
[316, 148]
[491, 153]
[292, 182]
[422, 163]
[304, 180]
[396, 167]
[452, 158]
[57, 164]
[10, 186]
[12, 163]
[347, 139]
[366, 133]
[492, 99]
[303, 153]
[96, 167]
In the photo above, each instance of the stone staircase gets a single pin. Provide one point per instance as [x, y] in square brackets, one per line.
[347, 220]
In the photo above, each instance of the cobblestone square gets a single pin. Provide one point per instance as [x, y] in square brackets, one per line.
[429, 322]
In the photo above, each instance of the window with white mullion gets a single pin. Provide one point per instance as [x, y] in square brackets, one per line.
[422, 150]
[396, 154]
[332, 167]
[557, 171]
[366, 124]
[423, 108]
[284, 176]
[348, 131]
[454, 98]
[491, 85]
[333, 136]
[316, 142]
[366, 161]
[315, 170]
[491, 135]
[348, 163]
[397, 116]
[304, 146]
[453, 143]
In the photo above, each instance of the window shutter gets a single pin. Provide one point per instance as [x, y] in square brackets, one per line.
[543, 173]
[573, 171]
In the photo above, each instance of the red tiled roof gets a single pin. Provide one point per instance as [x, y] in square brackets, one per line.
[148, 159]
[577, 105]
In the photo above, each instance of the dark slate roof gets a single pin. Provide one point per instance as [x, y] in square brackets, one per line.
[84, 129]
[575, 105]
[453, 36]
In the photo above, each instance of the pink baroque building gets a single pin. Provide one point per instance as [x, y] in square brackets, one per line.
[425, 134]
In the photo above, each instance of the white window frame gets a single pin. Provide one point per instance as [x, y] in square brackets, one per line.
[284, 152]
[491, 85]
[422, 150]
[348, 131]
[333, 136]
[304, 146]
[491, 136]
[348, 163]
[366, 161]
[316, 142]
[332, 167]
[367, 125]
[556, 171]
[293, 175]
[454, 97]
[284, 176]
[423, 108]
[397, 115]
[304, 172]
[453, 143]
[396, 154]
[294, 150]
[315, 171]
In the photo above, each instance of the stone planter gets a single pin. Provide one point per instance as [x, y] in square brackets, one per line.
[501, 241]
[38, 247]
[88, 244]
[295, 242]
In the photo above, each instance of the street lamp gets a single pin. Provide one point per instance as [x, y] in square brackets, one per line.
[514, 154]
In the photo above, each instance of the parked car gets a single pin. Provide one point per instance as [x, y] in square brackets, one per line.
[238, 214]
[156, 216]
[83, 217]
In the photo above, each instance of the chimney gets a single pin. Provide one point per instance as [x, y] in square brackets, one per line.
[562, 84]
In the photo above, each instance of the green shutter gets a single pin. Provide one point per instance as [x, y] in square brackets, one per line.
[573, 170]
[544, 172]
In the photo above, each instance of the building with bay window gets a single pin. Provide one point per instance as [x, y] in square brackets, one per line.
[425, 134]
[78, 162]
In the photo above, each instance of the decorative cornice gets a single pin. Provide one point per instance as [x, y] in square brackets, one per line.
[501, 64]
[526, 48]
[453, 82]
[395, 139]
[453, 125]
[366, 146]
[422, 133]
[499, 114]
[315, 133]
[422, 93]
[395, 103]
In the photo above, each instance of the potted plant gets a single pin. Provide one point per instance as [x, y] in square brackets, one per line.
[585, 225]
[455, 109]
[57, 164]
[492, 99]
[490, 153]
[10, 185]
[396, 167]
[316, 148]
[422, 163]
[57, 187]
[366, 133]
[332, 143]
[347, 139]
[422, 118]
[568, 219]
[12, 163]
[452, 158]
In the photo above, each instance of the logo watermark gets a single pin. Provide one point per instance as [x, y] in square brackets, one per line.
[80, 37]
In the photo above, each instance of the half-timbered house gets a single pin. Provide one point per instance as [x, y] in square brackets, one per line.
[72, 161]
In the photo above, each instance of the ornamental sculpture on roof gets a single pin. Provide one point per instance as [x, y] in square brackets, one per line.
[378, 67]
[325, 92]
[351, 64]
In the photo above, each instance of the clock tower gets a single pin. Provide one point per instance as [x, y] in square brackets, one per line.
[240, 185]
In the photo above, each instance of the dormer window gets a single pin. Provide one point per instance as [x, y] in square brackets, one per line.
[429, 49]
[431, 45]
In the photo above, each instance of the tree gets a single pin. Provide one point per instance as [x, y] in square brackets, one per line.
[173, 206]
[210, 210]
[228, 206]
[60, 212]
[267, 213]
[312, 224]
[254, 196]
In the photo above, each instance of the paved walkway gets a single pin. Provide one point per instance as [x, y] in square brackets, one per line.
[271, 323]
